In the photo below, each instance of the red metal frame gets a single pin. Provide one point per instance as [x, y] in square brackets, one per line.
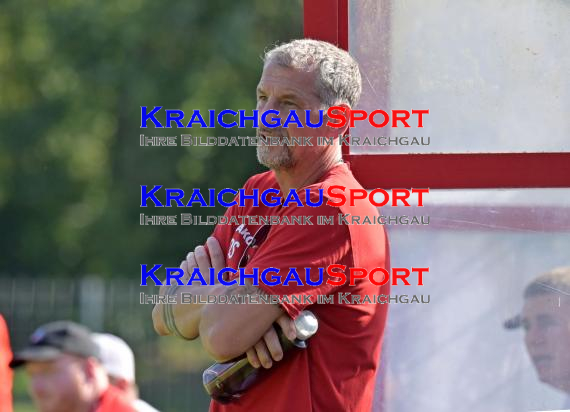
[328, 20]
[463, 170]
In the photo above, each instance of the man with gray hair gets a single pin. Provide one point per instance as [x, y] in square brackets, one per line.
[337, 371]
[545, 318]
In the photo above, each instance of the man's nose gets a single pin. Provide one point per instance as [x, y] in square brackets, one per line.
[270, 103]
[271, 117]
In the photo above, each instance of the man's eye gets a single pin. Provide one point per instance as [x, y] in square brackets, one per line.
[262, 98]
[289, 103]
[525, 325]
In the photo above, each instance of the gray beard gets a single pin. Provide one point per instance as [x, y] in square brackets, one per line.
[275, 157]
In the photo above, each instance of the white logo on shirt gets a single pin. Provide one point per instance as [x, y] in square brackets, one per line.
[233, 245]
[244, 232]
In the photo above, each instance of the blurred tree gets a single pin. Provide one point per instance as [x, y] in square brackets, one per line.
[73, 76]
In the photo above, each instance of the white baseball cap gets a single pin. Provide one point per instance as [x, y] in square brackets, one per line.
[117, 357]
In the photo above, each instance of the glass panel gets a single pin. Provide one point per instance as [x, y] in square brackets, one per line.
[455, 353]
[494, 75]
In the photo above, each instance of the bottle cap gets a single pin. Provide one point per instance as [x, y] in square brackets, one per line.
[306, 325]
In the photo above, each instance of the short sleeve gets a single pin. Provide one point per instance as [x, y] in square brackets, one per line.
[299, 247]
[223, 233]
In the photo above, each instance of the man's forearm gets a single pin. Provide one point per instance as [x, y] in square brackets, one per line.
[186, 315]
[183, 319]
[228, 331]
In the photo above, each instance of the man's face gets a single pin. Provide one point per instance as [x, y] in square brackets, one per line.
[58, 385]
[546, 319]
[284, 89]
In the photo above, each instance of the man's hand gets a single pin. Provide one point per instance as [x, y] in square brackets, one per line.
[205, 259]
[226, 331]
[187, 317]
[269, 349]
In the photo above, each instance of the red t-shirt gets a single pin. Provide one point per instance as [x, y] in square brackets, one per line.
[113, 400]
[5, 371]
[338, 370]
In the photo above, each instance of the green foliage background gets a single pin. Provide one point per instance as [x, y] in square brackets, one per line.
[73, 77]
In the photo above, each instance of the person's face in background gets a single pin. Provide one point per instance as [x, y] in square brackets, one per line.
[546, 320]
[60, 385]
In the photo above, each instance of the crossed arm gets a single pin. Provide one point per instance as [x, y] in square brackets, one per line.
[226, 331]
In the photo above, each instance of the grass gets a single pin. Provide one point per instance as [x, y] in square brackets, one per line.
[24, 407]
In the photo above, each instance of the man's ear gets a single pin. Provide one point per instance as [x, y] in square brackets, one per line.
[90, 368]
[341, 110]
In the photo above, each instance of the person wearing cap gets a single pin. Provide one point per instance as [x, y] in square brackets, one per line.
[5, 371]
[545, 318]
[63, 364]
[119, 362]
